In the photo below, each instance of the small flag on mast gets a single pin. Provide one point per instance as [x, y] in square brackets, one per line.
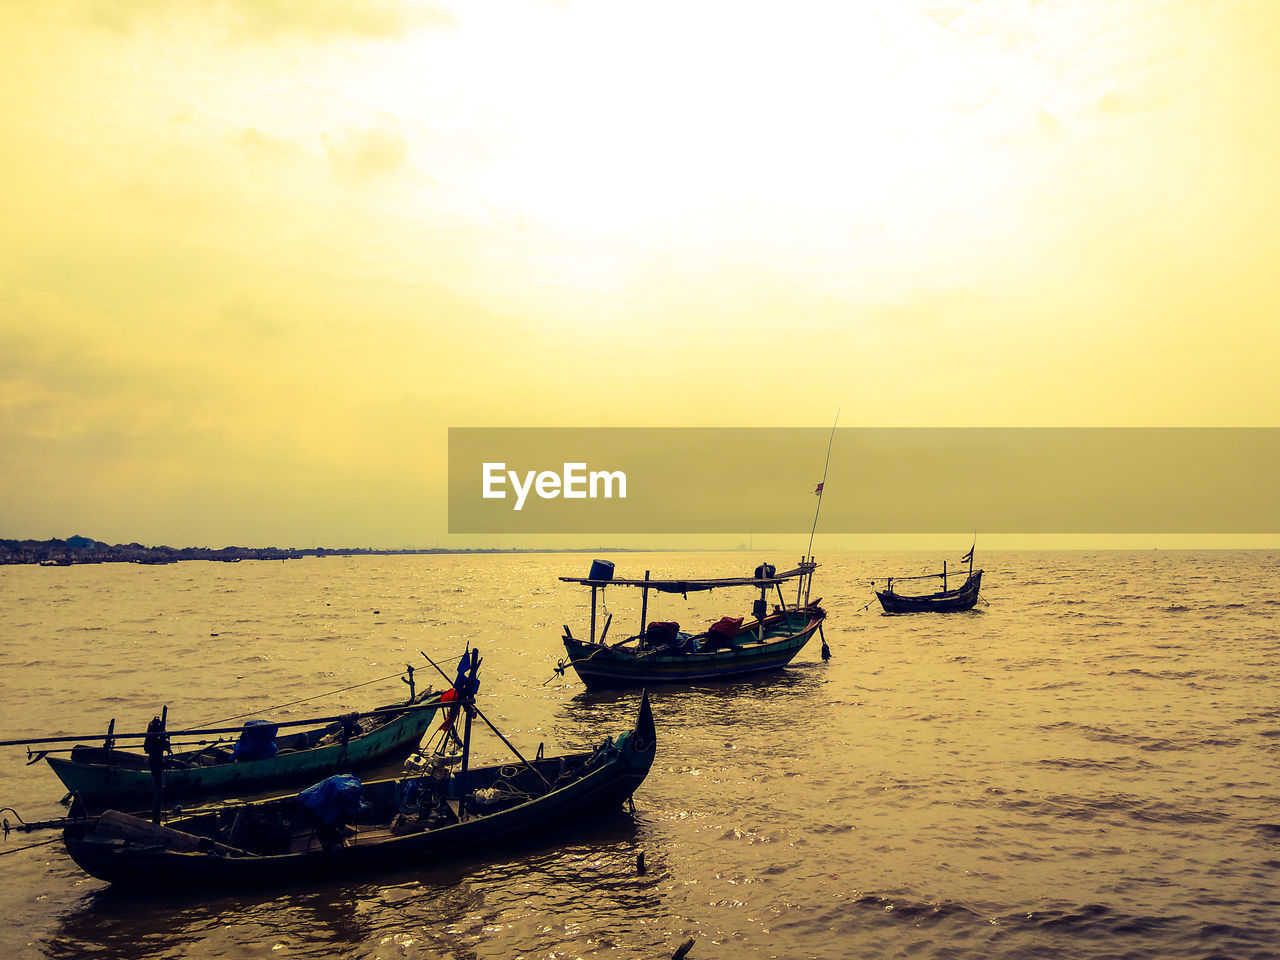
[818, 492]
[968, 556]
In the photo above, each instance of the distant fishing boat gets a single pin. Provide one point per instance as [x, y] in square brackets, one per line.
[729, 648]
[341, 827]
[945, 600]
[257, 760]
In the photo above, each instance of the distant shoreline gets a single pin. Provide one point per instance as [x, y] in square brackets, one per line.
[80, 550]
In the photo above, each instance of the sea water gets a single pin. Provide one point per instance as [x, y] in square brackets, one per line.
[1084, 766]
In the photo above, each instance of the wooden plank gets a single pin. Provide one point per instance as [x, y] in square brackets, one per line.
[695, 586]
[113, 823]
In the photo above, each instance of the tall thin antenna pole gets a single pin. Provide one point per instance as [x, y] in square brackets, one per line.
[823, 484]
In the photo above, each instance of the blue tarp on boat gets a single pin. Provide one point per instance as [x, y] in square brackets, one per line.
[334, 801]
[257, 741]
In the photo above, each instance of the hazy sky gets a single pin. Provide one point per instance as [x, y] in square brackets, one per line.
[257, 257]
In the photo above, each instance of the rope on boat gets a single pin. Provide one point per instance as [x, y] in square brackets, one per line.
[502, 788]
[30, 846]
[447, 735]
[562, 665]
[291, 703]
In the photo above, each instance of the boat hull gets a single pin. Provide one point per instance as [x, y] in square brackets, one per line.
[112, 782]
[623, 765]
[962, 598]
[600, 666]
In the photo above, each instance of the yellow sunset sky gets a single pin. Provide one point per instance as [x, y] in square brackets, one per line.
[257, 257]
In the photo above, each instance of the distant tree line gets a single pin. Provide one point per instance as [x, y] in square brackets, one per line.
[79, 549]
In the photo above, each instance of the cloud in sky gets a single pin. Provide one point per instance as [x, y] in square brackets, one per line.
[240, 260]
[267, 20]
[365, 155]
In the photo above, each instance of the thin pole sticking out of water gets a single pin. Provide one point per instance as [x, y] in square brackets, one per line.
[822, 484]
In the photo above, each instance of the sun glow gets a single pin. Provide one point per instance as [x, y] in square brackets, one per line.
[837, 144]
[616, 126]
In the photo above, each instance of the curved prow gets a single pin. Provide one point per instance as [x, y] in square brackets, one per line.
[643, 735]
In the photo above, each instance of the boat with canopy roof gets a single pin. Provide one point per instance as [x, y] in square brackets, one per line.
[731, 647]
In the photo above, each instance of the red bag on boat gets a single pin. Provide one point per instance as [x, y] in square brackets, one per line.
[448, 697]
[729, 626]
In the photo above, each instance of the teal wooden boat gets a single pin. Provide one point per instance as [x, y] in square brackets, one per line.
[421, 821]
[101, 775]
[727, 650]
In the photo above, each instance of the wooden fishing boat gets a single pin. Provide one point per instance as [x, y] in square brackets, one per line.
[341, 828]
[962, 597]
[728, 649]
[99, 775]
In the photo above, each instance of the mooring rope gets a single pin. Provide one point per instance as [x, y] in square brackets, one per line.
[30, 846]
[561, 665]
[291, 703]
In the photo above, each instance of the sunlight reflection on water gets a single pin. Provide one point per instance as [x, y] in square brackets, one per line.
[1085, 766]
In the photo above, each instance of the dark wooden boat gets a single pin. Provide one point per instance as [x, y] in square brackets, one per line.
[100, 775]
[962, 597]
[425, 820]
[728, 650]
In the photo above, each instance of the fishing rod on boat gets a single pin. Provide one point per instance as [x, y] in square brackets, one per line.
[822, 484]
[471, 703]
[826, 650]
[319, 696]
[380, 712]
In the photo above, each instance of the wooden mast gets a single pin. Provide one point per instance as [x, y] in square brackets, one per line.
[466, 700]
[764, 601]
[644, 604]
[593, 612]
